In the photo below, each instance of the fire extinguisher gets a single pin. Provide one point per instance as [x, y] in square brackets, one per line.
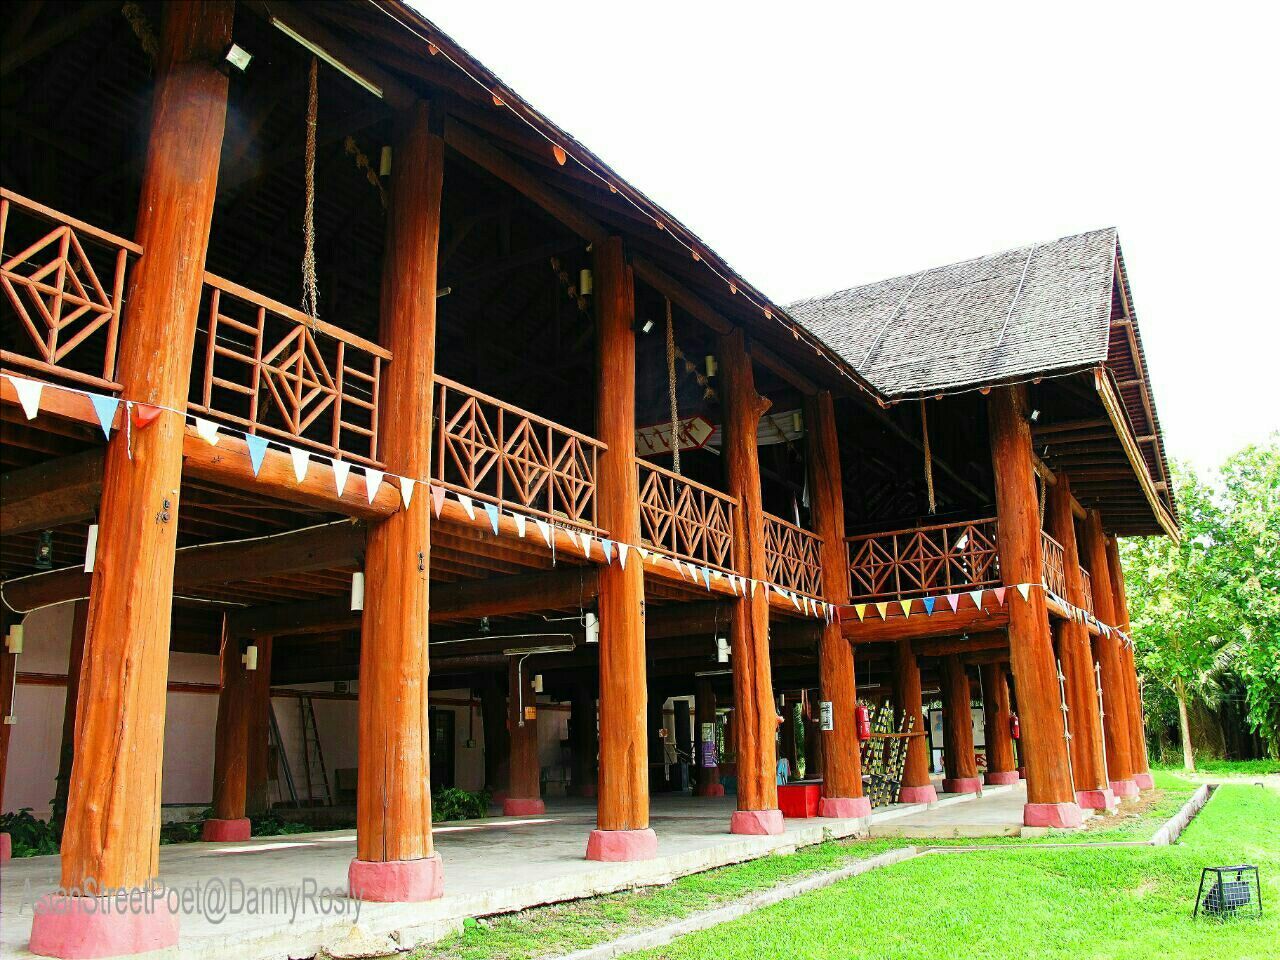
[1015, 728]
[862, 722]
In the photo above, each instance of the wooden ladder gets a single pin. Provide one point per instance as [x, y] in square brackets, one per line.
[282, 758]
[312, 756]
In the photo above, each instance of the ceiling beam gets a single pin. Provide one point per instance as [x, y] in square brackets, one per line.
[50, 494]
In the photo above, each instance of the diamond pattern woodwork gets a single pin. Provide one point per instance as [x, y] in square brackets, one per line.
[684, 519]
[792, 556]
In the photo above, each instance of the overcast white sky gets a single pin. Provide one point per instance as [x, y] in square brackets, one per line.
[819, 146]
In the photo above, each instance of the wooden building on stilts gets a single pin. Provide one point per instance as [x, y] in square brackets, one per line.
[333, 370]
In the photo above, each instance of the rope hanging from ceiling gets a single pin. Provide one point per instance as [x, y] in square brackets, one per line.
[671, 390]
[310, 288]
[928, 457]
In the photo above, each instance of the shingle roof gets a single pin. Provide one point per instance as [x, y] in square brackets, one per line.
[1023, 312]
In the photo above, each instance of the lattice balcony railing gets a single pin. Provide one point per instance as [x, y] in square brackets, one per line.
[924, 561]
[64, 284]
[684, 519]
[272, 370]
[1088, 589]
[500, 454]
[1054, 563]
[792, 556]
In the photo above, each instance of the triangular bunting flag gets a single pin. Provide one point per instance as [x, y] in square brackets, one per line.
[929, 603]
[1025, 590]
[644, 554]
[372, 481]
[207, 429]
[586, 545]
[28, 395]
[883, 610]
[622, 554]
[145, 414]
[437, 498]
[105, 408]
[976, 597]
[733, 584]
[301, 461]
[706, 577]
[794, 602]
[520, 520]
[906, 608]
[257, 450]
[467, 504]
[999, 592]
[492, 511]
[753, 585]
[406, 490]
[606, 547]
[544, 528]
[953, 601]
[340, 470]
[861, 610]
[573, 537]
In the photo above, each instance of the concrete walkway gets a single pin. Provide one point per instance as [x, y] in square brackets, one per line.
[277, 897]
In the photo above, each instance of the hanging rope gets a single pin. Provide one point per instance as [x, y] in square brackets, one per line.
[671, 390]
[928, 457]
[1044, 489]
[142, 29]
[310, 289]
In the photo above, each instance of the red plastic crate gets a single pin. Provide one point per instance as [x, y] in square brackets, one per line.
[799, 799]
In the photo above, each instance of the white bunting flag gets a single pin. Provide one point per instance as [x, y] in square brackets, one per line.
[208, 431]
[520, 520]
[28, 395]
[622, 554]
[573, 537]
[794, 602]
[467, 504]
[544, 528]
[301, 461]
[1025, 590]
[340, 470]
[586, 545]
[372, 481]
[754, 584]
[406, 490]
[976, 596]
[644, 554]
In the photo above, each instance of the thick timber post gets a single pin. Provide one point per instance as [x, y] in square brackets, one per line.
[1137, 725]
[842, 767]
[497, 739]
[1111, 663]
[395, 858]
[524, 798]
[1076, 655]
[1051, 801]
[66, 755]
[585, 738]
[916, 785]
[706, 779]
[622, 806]
[1001, 766]
[8, 672]
[230, 747]
[957, 729]
[755, 715]
[111, 837]
[258, 731]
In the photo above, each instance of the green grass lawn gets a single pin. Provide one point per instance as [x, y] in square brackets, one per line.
[1243, 768]
[1122, 903]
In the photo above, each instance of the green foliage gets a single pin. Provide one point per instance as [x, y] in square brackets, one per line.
[29, 837]
[1208, 607]
[452, 803]
[270, 825]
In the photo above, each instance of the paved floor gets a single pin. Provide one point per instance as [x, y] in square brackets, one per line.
[268, 898]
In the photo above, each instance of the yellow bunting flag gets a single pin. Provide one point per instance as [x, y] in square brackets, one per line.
[906, 607]
[883, 610]
[861, 610]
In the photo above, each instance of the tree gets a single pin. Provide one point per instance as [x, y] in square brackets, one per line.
[1209, 605]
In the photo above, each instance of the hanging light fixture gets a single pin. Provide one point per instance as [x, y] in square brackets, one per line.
[357, 591]
[44, 551]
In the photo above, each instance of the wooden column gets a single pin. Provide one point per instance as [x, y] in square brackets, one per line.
[111, 837]
[67, 752]
[842, 767]
[916, 784]
[1001, 765]
[1050, 798]
[525, 795]
[1076, 656]
[497, 741]
[1137, 723]
[622, 809]
[258, 731]
[813, 736]
[788, 736]
[957, 729]
[8, 669]
[1115, 693]
[585, 739]
[755, 714]
[707, 779]
[231, 747]
[682, 723]
[395, 858]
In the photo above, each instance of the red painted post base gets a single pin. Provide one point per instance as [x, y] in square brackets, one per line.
[218, 831]
[1051, 815]
[962, 785]
[921, 794]
[6, 848]
[756, 822]
[616, 846]
[1144, 781]
[396, 881]
[848, 808]
[523, 807]
[1124, 788]
[86, 927]
[710, 790]
[1000, 777]
[1097, 799]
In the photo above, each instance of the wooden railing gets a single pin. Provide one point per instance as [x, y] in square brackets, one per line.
[500, 454]
[1088, 589]
[65, 291]
[684, 519]
[1053, 562]
[792, 556]
[271, 369]
[923, 561]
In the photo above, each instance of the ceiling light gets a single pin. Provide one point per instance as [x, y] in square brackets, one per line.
[326, 56]
[1035, 415]
[646, 326]
[238, 57]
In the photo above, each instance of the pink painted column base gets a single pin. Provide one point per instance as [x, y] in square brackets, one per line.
[921, 794]
[79, 928]
[523, 807]
[217, 831]
[6, 847]
[844, 807]
[756, 822]
[710, 790]
[1144, 781]
[1001, 777]
[1051, 815]
[1097, 799]
[962, 785]
[396, 881]
[616, 846]
[1124, 788]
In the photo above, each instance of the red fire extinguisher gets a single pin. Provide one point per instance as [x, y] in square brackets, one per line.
[1015, 728]
[862, 722]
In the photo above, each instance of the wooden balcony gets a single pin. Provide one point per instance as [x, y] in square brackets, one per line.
[924, 561]
[1088, 589]
[684, 519]
[1055, 576]
[792, 556]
